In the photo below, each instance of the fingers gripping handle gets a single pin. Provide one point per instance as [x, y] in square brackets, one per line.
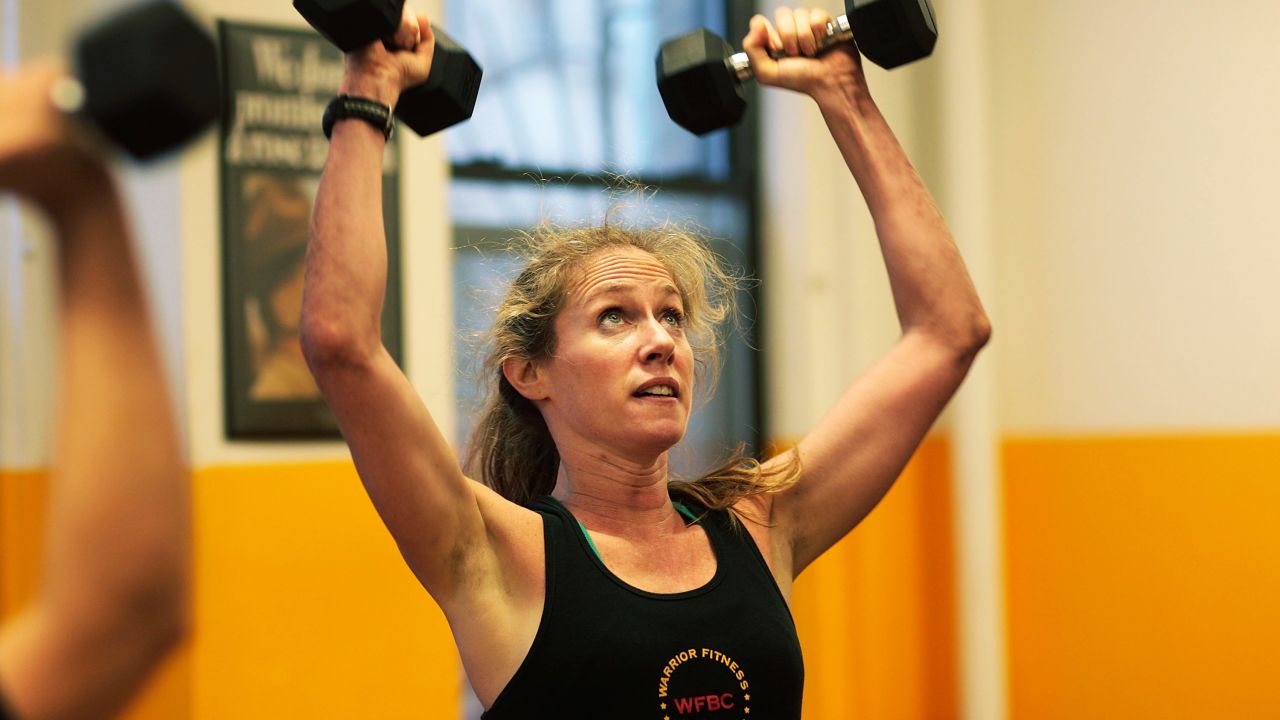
[837, 31]
[448, 96]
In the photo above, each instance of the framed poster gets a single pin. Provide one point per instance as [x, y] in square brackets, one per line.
[278, 81]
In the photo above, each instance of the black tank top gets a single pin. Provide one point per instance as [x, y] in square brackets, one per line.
[608, 651]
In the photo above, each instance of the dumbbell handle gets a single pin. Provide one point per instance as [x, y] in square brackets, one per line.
[67, 94]
[837, 31]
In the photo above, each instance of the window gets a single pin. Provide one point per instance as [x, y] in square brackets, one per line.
[569, 95]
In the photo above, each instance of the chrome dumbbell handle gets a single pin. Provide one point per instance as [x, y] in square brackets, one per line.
[837, 31]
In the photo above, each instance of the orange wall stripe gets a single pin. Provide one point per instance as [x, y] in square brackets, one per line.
[24, 501]
[876, 613]
[304, 607]
[167, 695]
[1143, 576]
[24, 495]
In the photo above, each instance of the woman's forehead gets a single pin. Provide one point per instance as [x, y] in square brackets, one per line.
[617, 268]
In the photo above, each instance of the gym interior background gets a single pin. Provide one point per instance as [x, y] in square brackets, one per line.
[1089, 532]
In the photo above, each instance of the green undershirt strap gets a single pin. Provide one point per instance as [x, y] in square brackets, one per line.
[680, 508]
[590, 542]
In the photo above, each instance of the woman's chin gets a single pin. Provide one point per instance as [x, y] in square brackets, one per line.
[644, 437]
[662, 438]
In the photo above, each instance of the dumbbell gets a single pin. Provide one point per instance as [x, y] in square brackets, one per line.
[147, 78]
[701, 79]
[448, 96]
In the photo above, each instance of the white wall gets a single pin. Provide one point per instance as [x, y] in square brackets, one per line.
[1135, 179]
[27, 260]
[1134, 252]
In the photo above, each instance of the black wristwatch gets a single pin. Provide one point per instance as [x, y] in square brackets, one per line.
[350, 106]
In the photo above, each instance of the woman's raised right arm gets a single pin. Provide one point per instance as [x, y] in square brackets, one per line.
[112, 599]
[407, 466]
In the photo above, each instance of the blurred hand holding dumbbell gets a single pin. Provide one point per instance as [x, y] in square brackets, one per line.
[144, 80]
[39, 150]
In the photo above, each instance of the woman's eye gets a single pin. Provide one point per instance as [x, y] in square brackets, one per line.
[674, 317]
[611, 317]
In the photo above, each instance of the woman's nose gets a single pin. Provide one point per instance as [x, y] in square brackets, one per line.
[659, 344]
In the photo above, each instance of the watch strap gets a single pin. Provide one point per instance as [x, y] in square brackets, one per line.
[359, 108]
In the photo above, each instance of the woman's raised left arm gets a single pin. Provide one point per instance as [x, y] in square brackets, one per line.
[853, 455]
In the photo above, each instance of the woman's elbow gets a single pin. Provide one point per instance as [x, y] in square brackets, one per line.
[148, 619]
[330, 342]
[167, 628]
[159, 607]
[979, 333]
[151, 630]
[960, 340]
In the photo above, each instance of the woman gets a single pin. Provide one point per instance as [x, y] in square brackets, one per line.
[112, 598]
[609, 598]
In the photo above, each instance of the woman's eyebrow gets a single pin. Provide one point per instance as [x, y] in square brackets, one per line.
[610, 289]
[616, 287]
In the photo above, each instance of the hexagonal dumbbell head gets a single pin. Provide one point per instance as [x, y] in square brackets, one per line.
[893, 32]
[701, 80]
[150, 78]
[701, 91]
[352, 24]
[448, 97]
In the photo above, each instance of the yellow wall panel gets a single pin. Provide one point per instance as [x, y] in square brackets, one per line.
[24, 499]
[876, 613]
[167, 695]
[1143, 576]
[24, 495]
[304, 607]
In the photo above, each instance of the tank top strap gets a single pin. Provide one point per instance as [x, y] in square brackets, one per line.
[558, 527]
[726, 531]
[549, 505]
[737, 546]
[565, 540]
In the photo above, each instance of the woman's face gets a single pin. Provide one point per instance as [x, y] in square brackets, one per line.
[622, 372]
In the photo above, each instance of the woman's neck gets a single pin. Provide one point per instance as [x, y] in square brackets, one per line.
[616, 496]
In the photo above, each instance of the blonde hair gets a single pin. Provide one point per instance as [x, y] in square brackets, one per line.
[511, 450]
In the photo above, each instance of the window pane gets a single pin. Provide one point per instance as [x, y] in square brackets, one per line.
[570, 85]
[523, 203]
